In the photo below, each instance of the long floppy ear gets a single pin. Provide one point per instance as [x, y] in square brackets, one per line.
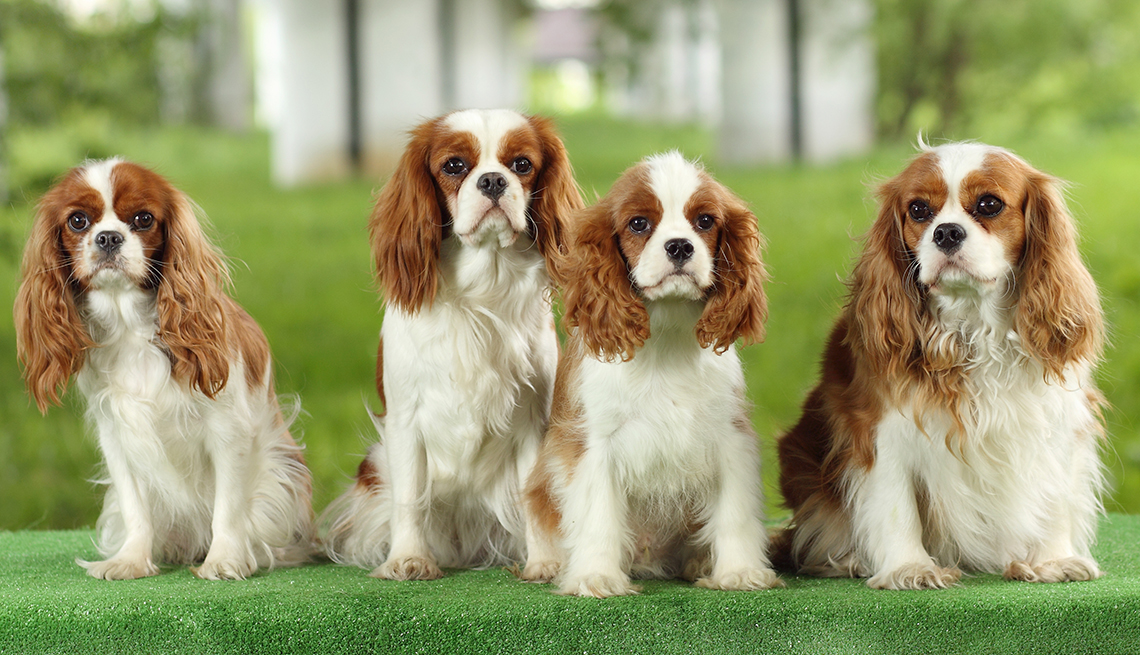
[406, 228]
[51, 341]
[597, 294]
[190, 298]
[737, 306]
[883, 304]
[1059, 316]
[556, 195]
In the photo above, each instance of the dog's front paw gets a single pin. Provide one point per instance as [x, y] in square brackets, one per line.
[543, 571]
[1066, 569]
[120, 568]
[408, 568]
[224, 569]
[598, 585]
[917, 575]
[742, 580]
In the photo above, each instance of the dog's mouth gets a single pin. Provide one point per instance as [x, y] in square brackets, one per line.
[494, 228]
[677, 284]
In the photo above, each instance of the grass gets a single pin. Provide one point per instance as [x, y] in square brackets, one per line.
[301, 267]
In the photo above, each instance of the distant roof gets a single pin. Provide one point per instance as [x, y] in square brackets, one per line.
[565, 34]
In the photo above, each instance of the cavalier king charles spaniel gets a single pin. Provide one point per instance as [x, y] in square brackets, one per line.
[956, 424]
[122, 290]
[461, 235]
[650, 465]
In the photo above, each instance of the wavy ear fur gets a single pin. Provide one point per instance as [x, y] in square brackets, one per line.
[737, 306]
[1059, 315]
[406, 228]
[556, 196]
[884, 302]
[51, 341]
[597, 293]
[191, 301]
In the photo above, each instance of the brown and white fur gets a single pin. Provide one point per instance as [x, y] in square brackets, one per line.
[650, 464]
[956, 424]
[460, 235]
[122, 290]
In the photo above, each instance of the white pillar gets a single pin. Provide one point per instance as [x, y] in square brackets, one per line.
[838, 78]
[400, 75]
[228, 80]
[757, 109]
[310, 65]
[488, 62]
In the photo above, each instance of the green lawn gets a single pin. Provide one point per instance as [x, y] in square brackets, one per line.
[301, 267]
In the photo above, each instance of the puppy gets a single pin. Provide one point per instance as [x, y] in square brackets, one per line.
[650, 464]
[465, 368]
[122, 290]
[956, 423]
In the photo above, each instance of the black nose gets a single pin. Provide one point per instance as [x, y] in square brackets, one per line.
[679, 250]
[949, 237]
[109, 242]
[492, 185]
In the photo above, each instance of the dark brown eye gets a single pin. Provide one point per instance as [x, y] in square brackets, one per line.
[522, 166]
[455, 166]
[639, 225]
[705, 222]
[918, 210]
[78, 222]
[142, 221]
[989, 206]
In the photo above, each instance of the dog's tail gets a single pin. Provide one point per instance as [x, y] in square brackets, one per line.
[356, 528]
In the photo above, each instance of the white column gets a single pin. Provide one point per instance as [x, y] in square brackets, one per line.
[488, 61]
[838, 78]
[309, 65]
[757, 107]
[401, 75]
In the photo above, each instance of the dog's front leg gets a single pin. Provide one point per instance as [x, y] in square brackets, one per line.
[409, 557]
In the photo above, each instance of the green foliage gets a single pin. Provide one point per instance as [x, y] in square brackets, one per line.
[301, 267]
[954, 67]
[57, 71]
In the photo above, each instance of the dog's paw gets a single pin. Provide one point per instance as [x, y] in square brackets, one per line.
[598, 585]
[917, 575]
[1066, 569]
[224, 569]
[408, 568]
[120, 568]
[742, 580]
[543, 571]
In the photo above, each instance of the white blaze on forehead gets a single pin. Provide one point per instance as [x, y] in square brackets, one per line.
[673, 180]
[958, 160]
[97, 174]
[488, 126]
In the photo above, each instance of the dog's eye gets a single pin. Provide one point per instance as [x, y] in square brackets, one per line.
[705, 222]
[78, 222]
[989, 206]
[918, 210]
[639, 225]
[522, 166]
[455, 166]
[142, 221]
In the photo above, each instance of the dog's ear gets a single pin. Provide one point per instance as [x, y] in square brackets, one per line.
[556, 195]
[51, 341]
[191, 299]
[737, 307]
[1059, 318]
[406, 227]
[597, 293]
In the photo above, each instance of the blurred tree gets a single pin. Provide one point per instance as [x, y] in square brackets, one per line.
[950, 66]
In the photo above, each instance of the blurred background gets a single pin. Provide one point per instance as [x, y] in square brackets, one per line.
[282, 118]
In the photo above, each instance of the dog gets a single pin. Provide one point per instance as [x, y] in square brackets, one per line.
[461, 237]
[956, 423]
[650, 465]
[122, 290]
